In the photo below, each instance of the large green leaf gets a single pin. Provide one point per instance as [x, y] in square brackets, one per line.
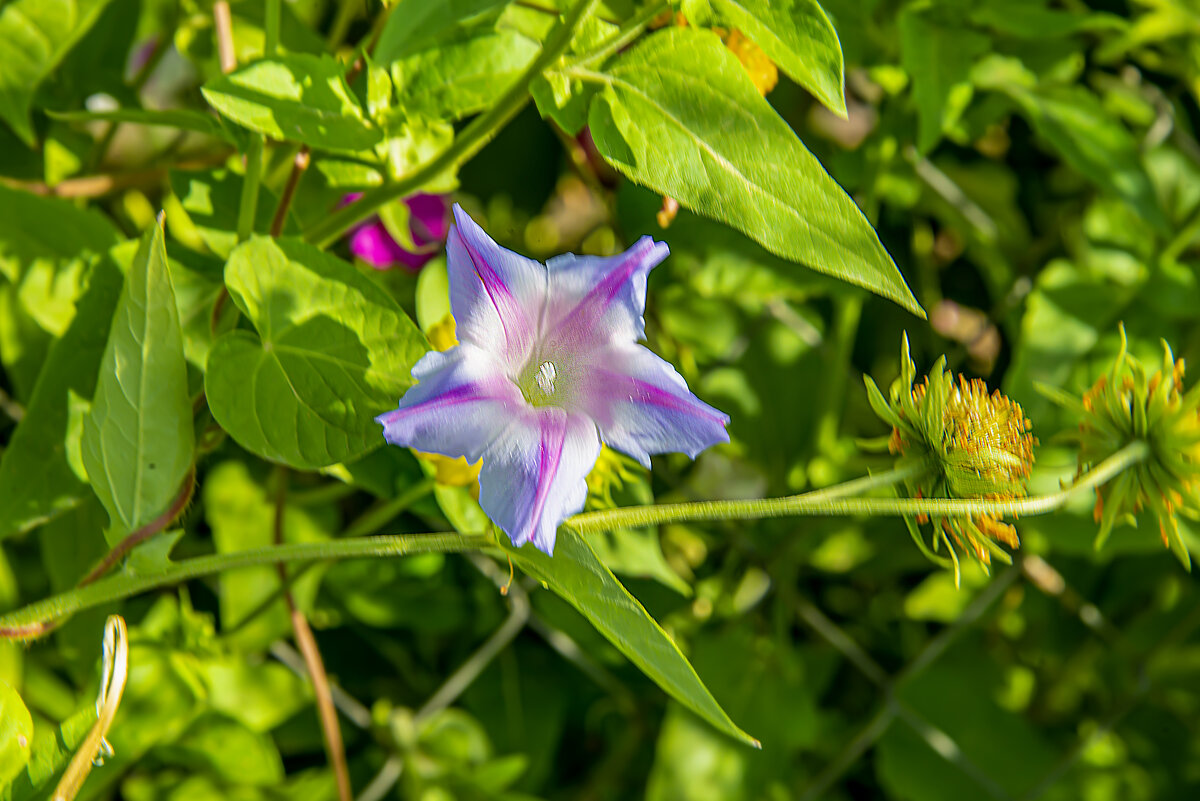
[575, 573]
[299, 98]
[33, 227]
[37, 481]
[938, 57]
[34, 37]
[333, 351]
[16, 732]
[412, 27]
[799, 37]
[464, 75]
[137, 439]
[46, 245]
[732, 157]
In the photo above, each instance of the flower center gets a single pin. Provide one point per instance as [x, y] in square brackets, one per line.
[549, 380]
[542, 383]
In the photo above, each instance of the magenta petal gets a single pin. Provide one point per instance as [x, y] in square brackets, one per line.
[595, 301]
[459, 404]
[374, 245]
[534, 473]
[430, 218]
[642, 406]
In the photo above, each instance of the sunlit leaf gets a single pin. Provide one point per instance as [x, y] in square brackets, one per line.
[16, 733]
[34, 37]
[298, 98]
[138, 440]
[333, 350]
[575, 573]
[732, 158]
[799, 37]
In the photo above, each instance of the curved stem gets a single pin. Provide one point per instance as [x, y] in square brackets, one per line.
[31, 621]
[467, 144]
[182, 498]
[115, 671]
[831, 502]
[635, 516]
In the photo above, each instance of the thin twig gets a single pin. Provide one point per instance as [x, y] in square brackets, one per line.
[114, 672]
[299, 165]
[223, 28]
[136, 538]
[331, 730]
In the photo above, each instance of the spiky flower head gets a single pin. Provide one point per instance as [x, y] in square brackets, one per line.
[974, 444]
[1130, 404]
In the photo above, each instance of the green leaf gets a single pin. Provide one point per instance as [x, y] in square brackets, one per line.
[575, 573]
[1075, 123]
[137, 440]
[34, 37]
[464, 75]
[183, 119]
[212, 199]
[298, 98]
[732, 157]
[16, 732]
[938, 57]
[799, 37]
[414, 26]
[51, 750]
[333, 351]
[37, 481]
[33, 228]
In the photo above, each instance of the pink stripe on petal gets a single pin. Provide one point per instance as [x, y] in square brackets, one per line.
[533, 475]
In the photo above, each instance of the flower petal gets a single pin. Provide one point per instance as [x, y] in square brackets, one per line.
[496, 295]
[594, 301]
[374, 245]
[642, 406]
[461, 402]
[534, 473]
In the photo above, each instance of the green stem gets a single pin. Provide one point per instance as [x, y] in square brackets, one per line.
[623, 38]
[807, 503]
[271, 28]
[481, 131]
[29, 620]
[248, 208]
[846, 315]
[829, 502]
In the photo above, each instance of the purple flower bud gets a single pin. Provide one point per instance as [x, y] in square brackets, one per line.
[429, 222]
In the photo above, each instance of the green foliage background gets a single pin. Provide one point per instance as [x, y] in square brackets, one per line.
[1031, 168]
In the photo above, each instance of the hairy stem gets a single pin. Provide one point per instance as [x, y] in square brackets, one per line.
[472, 139]
[33, 620]
[831, 501]
[147, 531]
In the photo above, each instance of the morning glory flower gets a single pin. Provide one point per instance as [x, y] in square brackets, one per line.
[547, 366]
